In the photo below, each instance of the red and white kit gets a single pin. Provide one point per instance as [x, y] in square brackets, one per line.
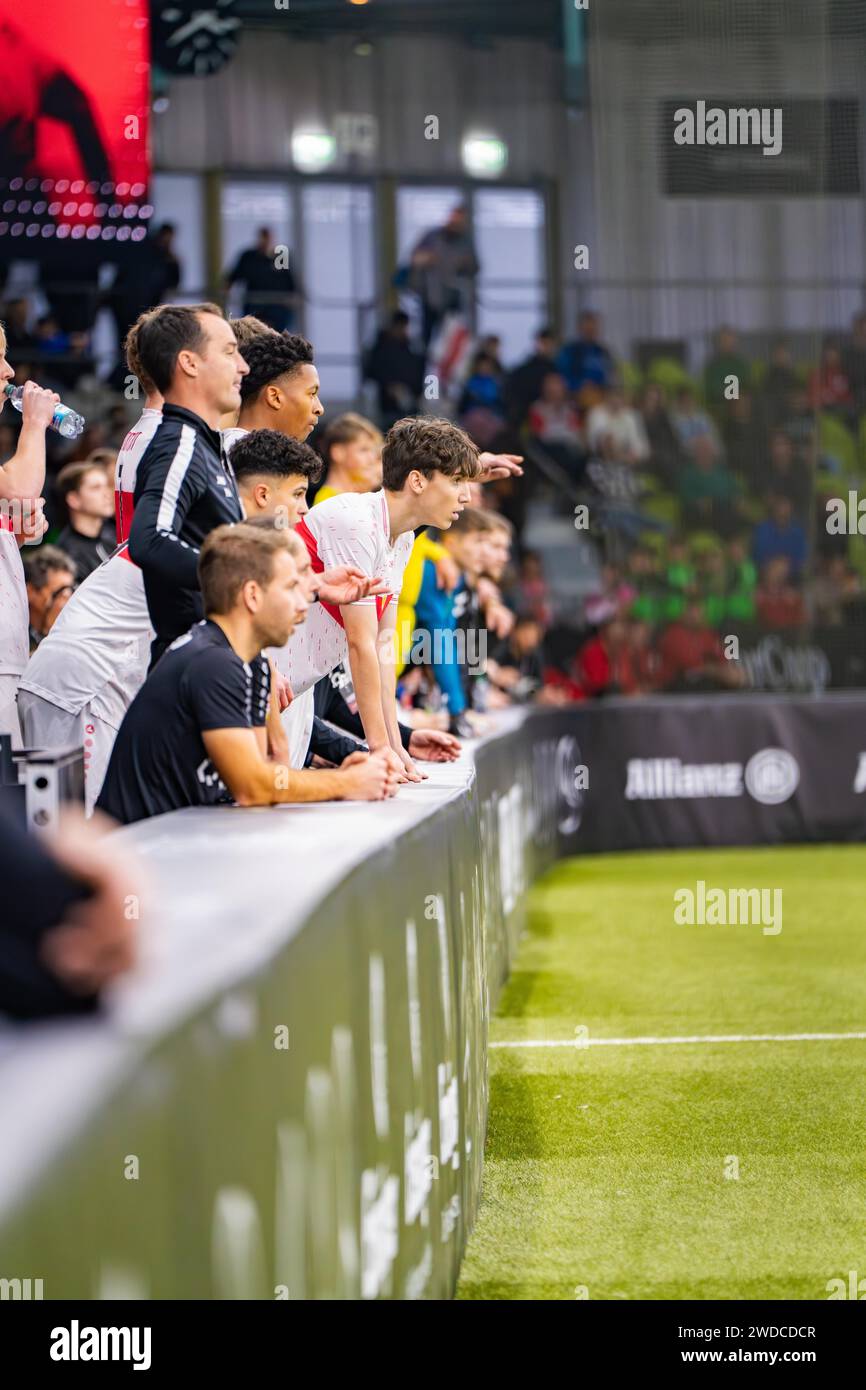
[350, 529]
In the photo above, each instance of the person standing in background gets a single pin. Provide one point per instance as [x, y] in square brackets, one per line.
[442, 271]
[270, 290]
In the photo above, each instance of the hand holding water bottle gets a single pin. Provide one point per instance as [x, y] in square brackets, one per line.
[45, 409]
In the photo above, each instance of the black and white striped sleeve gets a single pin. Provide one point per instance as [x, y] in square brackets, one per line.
[170, 479]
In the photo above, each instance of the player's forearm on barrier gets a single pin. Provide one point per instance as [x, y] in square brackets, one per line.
[268, 784]
[367, 680]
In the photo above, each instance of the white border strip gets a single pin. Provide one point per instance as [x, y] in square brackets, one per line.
[577, 1044]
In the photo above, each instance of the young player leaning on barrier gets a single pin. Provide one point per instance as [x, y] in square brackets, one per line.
[427, 466]
[195, 733]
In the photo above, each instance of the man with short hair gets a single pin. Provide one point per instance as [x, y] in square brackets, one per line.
[88, 536]
[194, 735]
[270, 290]
[184, 488]
[281, 388]
[50, 577]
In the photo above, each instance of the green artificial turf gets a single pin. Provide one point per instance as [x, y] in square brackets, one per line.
[605, 1171]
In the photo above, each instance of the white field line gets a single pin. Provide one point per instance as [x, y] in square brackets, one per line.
[577, 1044]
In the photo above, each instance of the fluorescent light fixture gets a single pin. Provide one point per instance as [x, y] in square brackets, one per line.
[484, 156]
[313, 150]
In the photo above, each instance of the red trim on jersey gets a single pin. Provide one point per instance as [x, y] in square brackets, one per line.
[124, 509]
[306, 535]
[5, 523]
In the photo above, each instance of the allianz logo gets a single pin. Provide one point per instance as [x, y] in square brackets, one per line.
[770, 777]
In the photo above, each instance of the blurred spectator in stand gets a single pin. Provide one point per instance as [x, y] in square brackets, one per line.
[854, 361]
[744, 434]
[166, 268]
[784, 474]
[585, 360]
[88, 536]
[555, 423]
[742, 581]
[16, 317]
[709, 492]
[644, 572]
[516, 664]
[799, 423]
[831, 590]
[829, 387]
[779, 603]
[270, 290]
[779, 384]
[352, 451]
[690, 421]
[665, 451]
[442, 270]
[524, 384]
[713, 584]
[614, 419]
[726, 361]
[780, 534]
[397, 369]
[612, 597]
[481, 409]
[50, 576]
[680, 577]
[692, 655]
[616, 661]
[50, 337]
[491, 346]
[533, 590]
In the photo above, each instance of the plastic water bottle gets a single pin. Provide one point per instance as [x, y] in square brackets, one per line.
[66, 421]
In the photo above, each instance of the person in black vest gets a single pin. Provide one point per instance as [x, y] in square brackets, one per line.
[184, 487]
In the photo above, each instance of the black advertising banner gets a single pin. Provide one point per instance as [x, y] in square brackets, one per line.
[738, 770]
[759, 146]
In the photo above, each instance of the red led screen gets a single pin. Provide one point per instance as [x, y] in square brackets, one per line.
[74, 109]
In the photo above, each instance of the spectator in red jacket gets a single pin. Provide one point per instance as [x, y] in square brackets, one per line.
[829, 387]
[692, 655]
[780, 603]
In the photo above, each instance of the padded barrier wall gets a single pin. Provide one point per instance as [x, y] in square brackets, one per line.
[313, 1127]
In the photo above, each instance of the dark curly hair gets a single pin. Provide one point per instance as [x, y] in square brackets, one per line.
[269, 453]
[429, 445]
[272, 355]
